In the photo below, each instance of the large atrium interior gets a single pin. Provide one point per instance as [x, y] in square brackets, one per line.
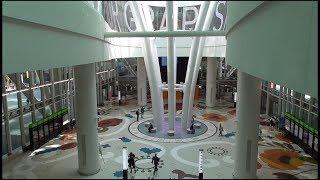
[160, 89]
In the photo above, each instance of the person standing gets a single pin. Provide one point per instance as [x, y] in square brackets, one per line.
[220, 130]
[155, 161]
[137, 113]
[142, 111]
[150, 128]
[192, 128]
[131, 162]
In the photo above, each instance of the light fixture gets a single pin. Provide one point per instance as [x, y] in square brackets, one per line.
[307, 97]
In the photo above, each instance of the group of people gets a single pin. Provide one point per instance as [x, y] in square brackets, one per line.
[138, 113]
[132, 165]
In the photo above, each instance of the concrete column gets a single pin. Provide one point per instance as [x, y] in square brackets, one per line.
[141, 82]
[247, 114]
[6, 117]
[211, 82]
[171, 59]
[283, 103]
[191, 66]
[268, 99]
[21, 123]
[86, 118]
[279, 103]
[220, 68]
[32, 100]
[53, 94]
[152, 66]
[43, 99]
[69, 95]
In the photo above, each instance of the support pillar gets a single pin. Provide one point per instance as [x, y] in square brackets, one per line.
[171, 59]
[211, 82]
[53, 94]
[32, 100]
[247, 114]
[279, 103]
[141, 82]
[86, 119]
[191, 67]
[20, 106]
[152, 66]
[6, 117]
[268, 99]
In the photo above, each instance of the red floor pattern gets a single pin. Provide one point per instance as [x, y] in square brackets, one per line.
[214, 117]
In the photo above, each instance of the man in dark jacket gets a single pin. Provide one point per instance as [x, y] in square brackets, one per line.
[142, 111]
[155, 161]
[131, 162]
[137, 113]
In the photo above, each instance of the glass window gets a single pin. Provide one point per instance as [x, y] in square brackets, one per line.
[304, 115]
[48, 110]
[27, 120]
[24, 100]
[295, 111]
[38, 115]
[4, 140]
[12, 101]
[46, 76]
[37, 93]
[15, 132]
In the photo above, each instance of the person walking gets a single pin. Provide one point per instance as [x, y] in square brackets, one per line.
[192, 128]
[150, 128]
[155, 161]
[220, 130]
[142, 111]
[137, 113]
[131, 162]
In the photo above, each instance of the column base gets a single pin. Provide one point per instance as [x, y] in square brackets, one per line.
[89, 173]
[170, 132]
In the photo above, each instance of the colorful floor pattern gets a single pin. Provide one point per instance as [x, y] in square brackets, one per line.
[214, 117]
[278, 157]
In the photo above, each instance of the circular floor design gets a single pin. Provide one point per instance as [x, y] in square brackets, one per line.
[211, 129]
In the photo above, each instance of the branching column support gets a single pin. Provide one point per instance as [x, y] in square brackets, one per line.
[191, 66]
[152, 65]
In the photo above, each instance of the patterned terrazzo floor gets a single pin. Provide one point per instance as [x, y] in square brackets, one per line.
[278, 158]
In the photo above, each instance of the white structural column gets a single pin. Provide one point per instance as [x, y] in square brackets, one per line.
[70, 96]
[191, 65]
[31, 85]
[198, 59]
[6, 117]
[279, 102]
[19, 98]
[211, 82]
[171, 59]
[53, 94]
[151, 63]
[247, 114]
[42, 89]
[268, 97]
[142, 82]
[86, 118]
